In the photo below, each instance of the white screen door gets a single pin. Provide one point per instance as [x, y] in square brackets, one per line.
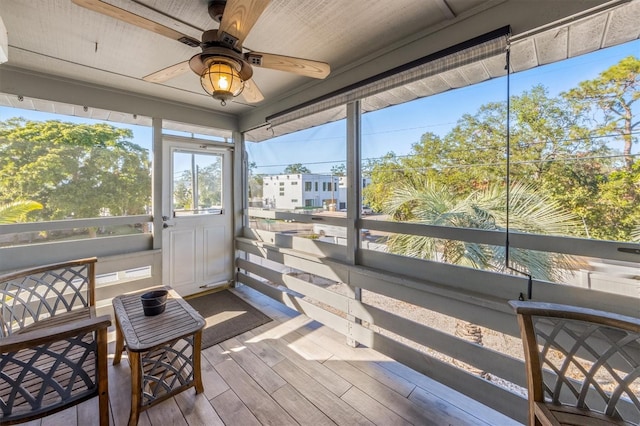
[197, 244]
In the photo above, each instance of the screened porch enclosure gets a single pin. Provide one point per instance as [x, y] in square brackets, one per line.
[383, 222]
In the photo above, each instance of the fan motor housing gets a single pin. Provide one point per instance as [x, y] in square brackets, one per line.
[212, 47]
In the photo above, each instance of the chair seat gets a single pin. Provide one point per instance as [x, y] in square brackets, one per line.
[75, 363]
[571, 416]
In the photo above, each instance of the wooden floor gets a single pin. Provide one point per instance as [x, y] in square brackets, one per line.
[293, 371]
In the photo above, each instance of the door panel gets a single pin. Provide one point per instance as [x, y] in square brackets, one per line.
[182, 244]
[216, 253]
[197, 237]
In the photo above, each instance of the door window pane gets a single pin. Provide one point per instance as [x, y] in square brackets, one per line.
[197, 183]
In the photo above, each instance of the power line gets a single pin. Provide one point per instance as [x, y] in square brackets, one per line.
[522, 162]
[477, 149]
[462, 166]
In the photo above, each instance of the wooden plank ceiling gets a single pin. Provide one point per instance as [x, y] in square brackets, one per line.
[61, 39]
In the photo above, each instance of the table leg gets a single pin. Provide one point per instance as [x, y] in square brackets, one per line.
[119, 343]
[136, 387]
[197, 373]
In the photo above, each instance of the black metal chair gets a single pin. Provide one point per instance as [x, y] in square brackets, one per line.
[54, 347]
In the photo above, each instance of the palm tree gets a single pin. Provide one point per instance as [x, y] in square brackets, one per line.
[529, 211]
[17, 211]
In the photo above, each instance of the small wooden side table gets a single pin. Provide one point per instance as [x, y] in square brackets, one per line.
[164, 350]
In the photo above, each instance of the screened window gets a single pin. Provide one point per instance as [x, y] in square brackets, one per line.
[55, 168]
[311, 156]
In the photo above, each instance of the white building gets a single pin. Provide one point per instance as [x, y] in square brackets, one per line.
[300, 190]
[342, 190]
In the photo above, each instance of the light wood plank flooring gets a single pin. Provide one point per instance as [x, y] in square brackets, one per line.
[293, 371]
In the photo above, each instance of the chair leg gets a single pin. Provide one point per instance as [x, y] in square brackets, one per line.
[197, 373]
[119, 343]
[103, 377]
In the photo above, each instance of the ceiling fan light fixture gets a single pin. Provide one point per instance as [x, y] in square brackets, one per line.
[221, 79]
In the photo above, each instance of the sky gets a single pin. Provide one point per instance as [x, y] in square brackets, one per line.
[395, 128]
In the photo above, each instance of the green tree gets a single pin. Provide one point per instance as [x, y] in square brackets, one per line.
[613, 94]
[552, 148]
[529, 211]
[296, 168]
[543, 132]
[256, 180]
[73, 170]
[210, 184]
[472, 155]
[339, 170]
[384, 173]
[17, 212]
[182, 191]
[617, 207]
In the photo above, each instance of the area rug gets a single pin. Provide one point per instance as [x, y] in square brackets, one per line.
[227, 316]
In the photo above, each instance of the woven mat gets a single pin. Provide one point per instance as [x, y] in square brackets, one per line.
[227, 316]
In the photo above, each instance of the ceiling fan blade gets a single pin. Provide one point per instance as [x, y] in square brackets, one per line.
[299, 66]
[251, 93]
[168, 73]
[137, 20]
[238, 18]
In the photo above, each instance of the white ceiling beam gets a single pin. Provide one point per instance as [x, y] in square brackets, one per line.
[446, 10]
[4, 43]
[28, 84]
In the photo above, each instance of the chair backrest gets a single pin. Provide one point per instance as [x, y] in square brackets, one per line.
[30, 295]
[582, 358]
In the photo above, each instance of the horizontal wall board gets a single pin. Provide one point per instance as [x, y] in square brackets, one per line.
[54, 225]
[453, 276]
[507, 368]
[465, 293]
[445, 232]
[12, 258]
[491, 284]
[312, 311]
[121, 262]
[333, 299]
[105, 293]
[480, 357]
[468, 281]
[109, 264]
[547, 243]
[290, 258]
[481, 390]
[313, 247]
[493, 314]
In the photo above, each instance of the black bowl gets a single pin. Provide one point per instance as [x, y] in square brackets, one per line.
[154, 302]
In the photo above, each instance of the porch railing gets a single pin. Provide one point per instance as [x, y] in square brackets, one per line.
[285, 267]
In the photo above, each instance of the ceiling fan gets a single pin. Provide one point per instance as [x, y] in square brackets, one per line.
[224, 68]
